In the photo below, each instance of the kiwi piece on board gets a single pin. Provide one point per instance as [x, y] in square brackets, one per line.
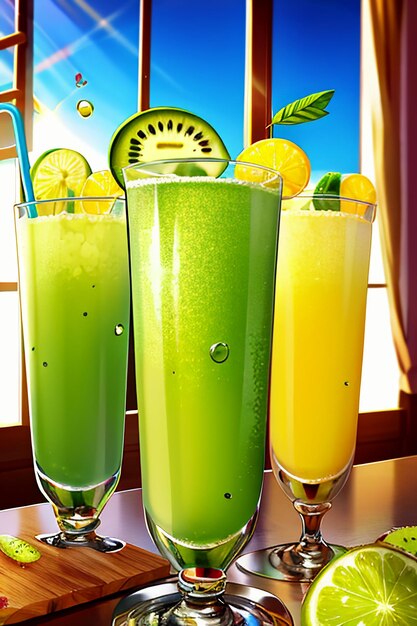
[166, 133]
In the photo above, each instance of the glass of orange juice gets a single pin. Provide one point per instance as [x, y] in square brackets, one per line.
[320, 303]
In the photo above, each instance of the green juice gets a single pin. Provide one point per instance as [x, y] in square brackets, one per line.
[74, 283]
[202, 261]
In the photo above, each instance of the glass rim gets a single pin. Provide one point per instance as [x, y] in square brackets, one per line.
[21, 205]
[264, 168]
[324, 196]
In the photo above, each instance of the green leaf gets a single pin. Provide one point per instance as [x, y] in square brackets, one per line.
[300, 117]
[305, 109]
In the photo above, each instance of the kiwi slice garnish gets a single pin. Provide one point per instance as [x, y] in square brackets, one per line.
[404, 537]
[18, 549]
[166, 133]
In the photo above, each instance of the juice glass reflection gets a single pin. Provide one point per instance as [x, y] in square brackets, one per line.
[203, 253]
[74, 290]
[321, 290]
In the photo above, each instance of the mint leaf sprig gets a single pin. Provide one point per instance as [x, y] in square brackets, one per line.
[305, 109]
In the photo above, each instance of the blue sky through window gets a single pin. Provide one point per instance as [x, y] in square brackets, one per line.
[98, 39]
[317, 47]
[197, 63]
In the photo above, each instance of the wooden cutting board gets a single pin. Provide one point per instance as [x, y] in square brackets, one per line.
[64, 578]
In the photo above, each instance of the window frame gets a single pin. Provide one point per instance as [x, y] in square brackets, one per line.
[381, 434]
[21, 94]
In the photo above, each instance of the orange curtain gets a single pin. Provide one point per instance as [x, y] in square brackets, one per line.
[394, 128]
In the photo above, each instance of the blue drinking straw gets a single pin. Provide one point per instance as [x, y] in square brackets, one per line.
[22, 154]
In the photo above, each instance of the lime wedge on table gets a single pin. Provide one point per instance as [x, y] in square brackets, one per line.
[59, 173]
[281, 155]
[371, 585]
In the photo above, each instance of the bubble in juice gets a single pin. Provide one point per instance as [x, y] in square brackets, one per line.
[219, 352]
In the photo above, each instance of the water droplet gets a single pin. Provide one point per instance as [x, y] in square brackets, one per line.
[85, 313]
[119, 329]
[219, 352]
[85, 108]
[45, 364]
[346, 383]
[228, 496]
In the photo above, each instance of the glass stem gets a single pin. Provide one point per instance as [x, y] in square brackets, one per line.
[312, 545]
[202, 604]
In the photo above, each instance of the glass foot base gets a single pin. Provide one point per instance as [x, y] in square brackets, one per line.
[267, 563]
[89, 540]
[250, 606]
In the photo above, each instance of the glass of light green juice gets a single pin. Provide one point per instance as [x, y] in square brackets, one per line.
[75, 295]
[203, 252]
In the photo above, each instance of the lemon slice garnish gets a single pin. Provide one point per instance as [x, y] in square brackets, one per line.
[281, 155]
[357, 187]
[99, 184]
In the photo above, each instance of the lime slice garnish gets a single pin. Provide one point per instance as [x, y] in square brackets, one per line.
[371, 585]
[18, 549]
[328, 185]
[404, 538]
[59, 173]
[99, 184]
[277, 154]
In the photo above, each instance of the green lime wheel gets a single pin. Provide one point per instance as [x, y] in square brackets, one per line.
[370, 585]
[59, 173]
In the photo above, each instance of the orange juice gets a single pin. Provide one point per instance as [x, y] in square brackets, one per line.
[321, 290]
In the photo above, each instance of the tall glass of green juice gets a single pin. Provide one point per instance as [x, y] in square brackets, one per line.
[74, 291]
[203, 253]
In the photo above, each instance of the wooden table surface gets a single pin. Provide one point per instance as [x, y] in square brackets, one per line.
[377, 497]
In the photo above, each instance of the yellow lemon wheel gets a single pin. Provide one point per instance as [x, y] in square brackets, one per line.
[281, 155]
[99, 184]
